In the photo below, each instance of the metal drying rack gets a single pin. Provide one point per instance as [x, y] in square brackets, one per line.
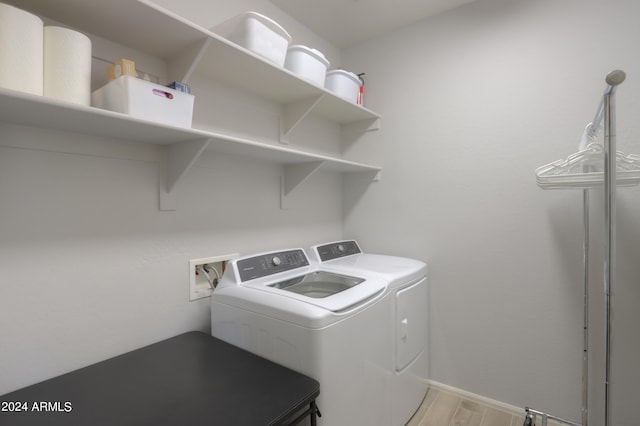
[552, 176]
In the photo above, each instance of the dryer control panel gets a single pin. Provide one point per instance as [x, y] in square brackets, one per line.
[271, 263]
[337, 250]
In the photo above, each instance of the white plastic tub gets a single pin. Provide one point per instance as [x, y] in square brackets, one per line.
[258, 33]
[344, 84]
[307, 63]
[146, 100]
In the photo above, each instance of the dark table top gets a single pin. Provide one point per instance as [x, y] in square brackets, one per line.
[190, 379]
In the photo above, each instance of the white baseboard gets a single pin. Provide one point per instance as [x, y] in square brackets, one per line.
[511, 409]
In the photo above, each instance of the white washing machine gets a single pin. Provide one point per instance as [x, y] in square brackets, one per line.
[406, 297]
[331, 326]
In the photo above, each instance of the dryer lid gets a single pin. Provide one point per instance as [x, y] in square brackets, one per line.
[346, 257]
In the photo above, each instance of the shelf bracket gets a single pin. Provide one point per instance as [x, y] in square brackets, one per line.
[184, 64]
[294, 113]
[177, 160]
[360, 127]
[294, 176]
[352, 132]
[367, 176]
[375, 176]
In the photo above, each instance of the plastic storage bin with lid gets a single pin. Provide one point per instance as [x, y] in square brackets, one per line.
[307, 63]
[257, 33]
[344, 84]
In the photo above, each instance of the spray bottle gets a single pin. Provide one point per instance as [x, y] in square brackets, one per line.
[361, 93]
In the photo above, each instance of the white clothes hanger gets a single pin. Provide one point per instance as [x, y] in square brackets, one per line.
[585, 168]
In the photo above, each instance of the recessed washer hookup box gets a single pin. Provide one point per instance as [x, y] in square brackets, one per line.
[146, 100]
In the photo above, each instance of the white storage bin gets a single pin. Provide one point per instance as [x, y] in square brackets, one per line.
[143, 99]
[307, 63]
[344, 84]
[258, 33]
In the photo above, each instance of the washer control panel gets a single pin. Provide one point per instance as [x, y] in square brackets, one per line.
[271, 263]
[337, 250]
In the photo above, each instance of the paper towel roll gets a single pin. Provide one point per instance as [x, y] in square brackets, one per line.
[21, 48]
[67, 65]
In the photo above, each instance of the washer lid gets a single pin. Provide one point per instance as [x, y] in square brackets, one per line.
[327, 290]
[288, 275]
[318, 284]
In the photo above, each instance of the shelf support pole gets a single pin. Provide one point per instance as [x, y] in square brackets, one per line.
[294, 176]
[178, 158]
[293, 115]
[610, 181]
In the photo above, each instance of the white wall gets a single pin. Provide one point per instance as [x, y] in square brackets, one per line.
[472, 102]
[90, 268]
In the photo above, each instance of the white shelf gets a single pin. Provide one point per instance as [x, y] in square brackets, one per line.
[218, 58]
[188, 48]
[183, 145]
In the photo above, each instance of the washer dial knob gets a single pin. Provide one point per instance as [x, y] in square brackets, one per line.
[276, 261]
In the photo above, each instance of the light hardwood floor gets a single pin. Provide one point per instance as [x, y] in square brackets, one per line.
[441, 408]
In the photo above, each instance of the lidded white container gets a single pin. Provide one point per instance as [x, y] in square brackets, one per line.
[344, 84]
[258, 33]
[307, 63]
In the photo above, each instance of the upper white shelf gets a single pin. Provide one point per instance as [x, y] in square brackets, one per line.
[189, 48]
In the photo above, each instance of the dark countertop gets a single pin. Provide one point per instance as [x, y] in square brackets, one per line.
[190, 379]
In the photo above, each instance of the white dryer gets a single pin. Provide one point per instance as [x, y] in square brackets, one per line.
[331, 326]
[407, 299]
